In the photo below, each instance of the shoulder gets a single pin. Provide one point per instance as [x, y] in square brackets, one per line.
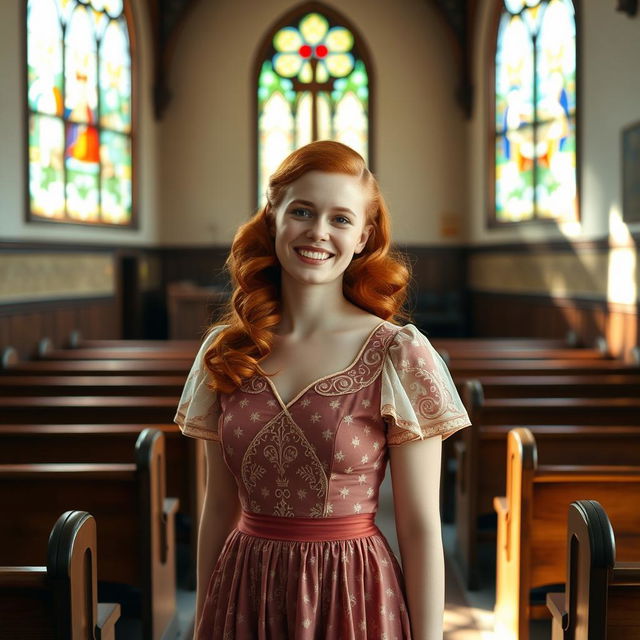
[407, 335]
[211, 335]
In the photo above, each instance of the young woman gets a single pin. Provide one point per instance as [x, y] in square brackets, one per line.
[302, 394]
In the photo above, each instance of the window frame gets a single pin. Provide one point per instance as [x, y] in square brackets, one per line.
[29, 216]
[491, 220]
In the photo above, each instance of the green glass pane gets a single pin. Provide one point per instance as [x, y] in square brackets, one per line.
[356, 82]
[46, 170]
[44, 57]
[270, 83]
[556, 177]
[303, 119]
[115, 78]
[275, 138]
[82, 160]
[350, 123]
[514, 75]
[116, 178]
[514, 177]
[81, 95]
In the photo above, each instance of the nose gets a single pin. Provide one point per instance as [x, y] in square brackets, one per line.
[318, 229]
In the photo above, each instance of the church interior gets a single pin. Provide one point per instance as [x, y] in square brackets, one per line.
[138, 135]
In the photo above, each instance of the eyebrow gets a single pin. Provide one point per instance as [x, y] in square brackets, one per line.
[310, 204]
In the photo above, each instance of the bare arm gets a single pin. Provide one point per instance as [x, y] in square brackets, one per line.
[415, 474]
[220, 513]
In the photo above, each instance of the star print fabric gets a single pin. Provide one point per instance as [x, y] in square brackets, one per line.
[322, 455]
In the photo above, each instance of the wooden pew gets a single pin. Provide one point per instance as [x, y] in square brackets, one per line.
[477, 368]
[87, 409]
[523, 353]
[556, 386]
[120, 367]
[530, 549]
[571, 340]
[135, 521]
[121, 353]
[109, 443]
[59, 600]
[95, 385]
[482, 447]
[602, 596]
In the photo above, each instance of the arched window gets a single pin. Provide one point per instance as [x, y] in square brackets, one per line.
[313, 83]
[535, 112]
[79, 112]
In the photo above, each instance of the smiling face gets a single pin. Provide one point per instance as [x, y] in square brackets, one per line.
[319, 226]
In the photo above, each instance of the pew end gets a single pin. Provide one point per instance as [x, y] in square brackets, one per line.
[602, 596]
[58, 601]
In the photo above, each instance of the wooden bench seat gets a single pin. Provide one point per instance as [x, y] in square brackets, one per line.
[122, 353]
[134, 517]
[477, 368]
[530, 547]
[87, 409]
[58, 601]
[94, 385]
[523, 353]
[482, 446]
[120, 367]
[556, 386]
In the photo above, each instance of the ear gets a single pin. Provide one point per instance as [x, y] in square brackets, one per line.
[364, 237]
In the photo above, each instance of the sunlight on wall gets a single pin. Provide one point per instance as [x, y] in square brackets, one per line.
[623, 272]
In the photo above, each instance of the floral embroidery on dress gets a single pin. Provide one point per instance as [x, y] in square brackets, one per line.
[281, 442]
[366, 369]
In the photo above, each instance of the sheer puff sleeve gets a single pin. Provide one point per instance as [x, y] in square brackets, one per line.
[419, 399]
[199, 409]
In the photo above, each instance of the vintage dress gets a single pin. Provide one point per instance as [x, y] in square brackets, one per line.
[321, 457]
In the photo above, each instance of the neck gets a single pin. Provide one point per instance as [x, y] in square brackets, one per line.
[308, 308]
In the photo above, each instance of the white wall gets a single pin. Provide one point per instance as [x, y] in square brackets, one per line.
[13, 151]
[207, 150]
[610, 83]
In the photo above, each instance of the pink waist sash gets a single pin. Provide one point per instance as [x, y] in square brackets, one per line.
[307, 529]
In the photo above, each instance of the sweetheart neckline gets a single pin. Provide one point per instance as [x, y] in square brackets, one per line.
[287, 405]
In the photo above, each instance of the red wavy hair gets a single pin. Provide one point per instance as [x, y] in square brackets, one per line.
[376, 280]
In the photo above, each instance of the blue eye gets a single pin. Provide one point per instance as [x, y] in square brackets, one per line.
[300, 211]
[343, 220]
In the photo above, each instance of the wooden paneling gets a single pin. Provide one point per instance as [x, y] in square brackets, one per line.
[508, 315]
[22, 326]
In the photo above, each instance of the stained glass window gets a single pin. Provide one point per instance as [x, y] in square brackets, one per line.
[535, 112]
[312, 85]
[79, 98]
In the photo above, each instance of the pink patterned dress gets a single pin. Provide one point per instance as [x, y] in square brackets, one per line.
[306, 560]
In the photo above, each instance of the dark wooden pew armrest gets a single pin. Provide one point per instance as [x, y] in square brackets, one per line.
[29, 577]
[108, 615]
[555, 604]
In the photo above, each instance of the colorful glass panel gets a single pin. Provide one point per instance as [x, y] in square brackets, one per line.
[316, 68]
[535, 98]
[115, 78]
[46, 169]
[115, 178]
[276, 126]
[79, 97]
[44, 55]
